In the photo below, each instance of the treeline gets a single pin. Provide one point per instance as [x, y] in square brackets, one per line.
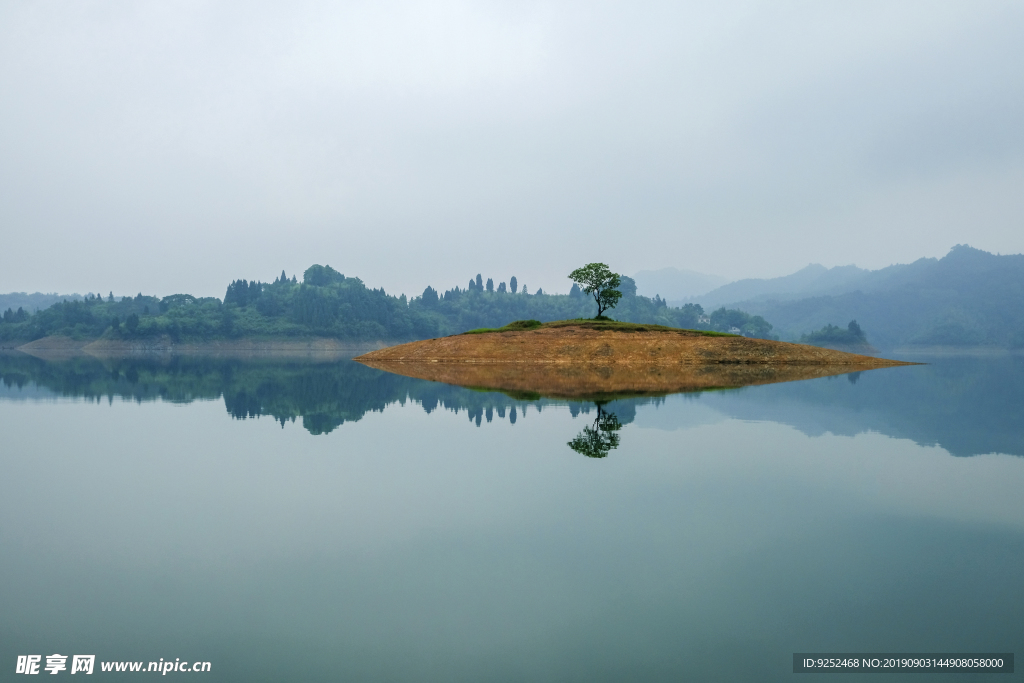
[326, 303]
[850, 337]
[31, 303]
[484, 304]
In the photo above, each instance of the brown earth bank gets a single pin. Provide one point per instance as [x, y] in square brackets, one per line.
[592, 381]
[573, 361]
[52, 344]
[615, 345]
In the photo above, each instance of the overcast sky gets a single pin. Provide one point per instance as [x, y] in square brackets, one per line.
[173, 146]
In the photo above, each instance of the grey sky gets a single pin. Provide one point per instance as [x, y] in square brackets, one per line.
[174, 146]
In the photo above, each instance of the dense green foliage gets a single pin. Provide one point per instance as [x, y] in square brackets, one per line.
[831, 335]
[739, 322]
[598, 281]
[18, 316]
[87, 318]
[33, 302]
[328, 304]
[459, 310]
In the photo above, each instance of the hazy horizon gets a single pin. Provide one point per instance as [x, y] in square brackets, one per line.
[298, 274]
[649, 290]
[174, 148]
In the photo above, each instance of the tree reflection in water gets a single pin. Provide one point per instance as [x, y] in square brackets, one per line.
[969, 405]
[602, 437]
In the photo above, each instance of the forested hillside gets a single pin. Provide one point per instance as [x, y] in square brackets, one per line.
[969, 298]
[326, 303]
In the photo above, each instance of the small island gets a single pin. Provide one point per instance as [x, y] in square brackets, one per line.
[601, 357]
[597, 357]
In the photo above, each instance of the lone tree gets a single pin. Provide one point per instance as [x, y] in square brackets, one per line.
[599, 282]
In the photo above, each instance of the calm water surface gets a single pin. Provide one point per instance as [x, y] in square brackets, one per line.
[296, 521]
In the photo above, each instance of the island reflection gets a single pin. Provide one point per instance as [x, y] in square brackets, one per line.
[591, 381]
[324, 393]
[966, 405]
[602, 383]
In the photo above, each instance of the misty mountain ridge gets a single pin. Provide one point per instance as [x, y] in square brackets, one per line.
[813, 280]
[968, 298]
[674, 284]
[33, 302]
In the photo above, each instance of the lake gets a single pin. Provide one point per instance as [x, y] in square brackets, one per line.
[295, 520]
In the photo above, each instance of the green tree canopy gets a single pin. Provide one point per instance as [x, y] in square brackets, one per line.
[853, 335]
[321, 276]
[599, 282]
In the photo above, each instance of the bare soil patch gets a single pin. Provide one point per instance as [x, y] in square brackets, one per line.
[573, 360]
[588, 344]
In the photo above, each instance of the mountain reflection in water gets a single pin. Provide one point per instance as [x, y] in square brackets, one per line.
[967, 405]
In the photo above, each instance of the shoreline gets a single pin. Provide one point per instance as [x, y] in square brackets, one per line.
[60, 347]
[600, 361]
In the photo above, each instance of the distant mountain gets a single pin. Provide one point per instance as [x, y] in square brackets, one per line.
[814, 280]
[33, 302]
[674, 284]
[961, 403]
[969, 298]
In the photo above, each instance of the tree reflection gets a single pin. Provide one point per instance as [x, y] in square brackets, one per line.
[596, 441]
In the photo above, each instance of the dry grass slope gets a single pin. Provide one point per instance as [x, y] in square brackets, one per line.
[605, 344]
[573, 360]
